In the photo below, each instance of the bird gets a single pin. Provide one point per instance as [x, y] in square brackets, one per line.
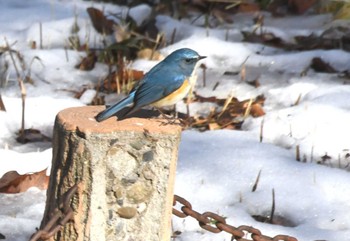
[165, 84]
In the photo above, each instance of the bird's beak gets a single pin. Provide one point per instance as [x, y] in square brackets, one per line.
[201, 57]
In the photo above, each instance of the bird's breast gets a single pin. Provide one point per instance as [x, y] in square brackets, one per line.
[175, 96]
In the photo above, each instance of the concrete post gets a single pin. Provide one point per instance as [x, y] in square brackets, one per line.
[125, 173]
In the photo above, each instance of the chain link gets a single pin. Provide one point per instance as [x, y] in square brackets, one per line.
[215, 223]
[209, 221]
[59, 217]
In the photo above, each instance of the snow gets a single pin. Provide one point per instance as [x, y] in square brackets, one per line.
[216, 169]
[310, 196]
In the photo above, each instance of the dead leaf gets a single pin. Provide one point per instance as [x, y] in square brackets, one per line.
[256, 110]
[263, 38]
[231, 115]
[12, 182]
[319, 65]
[201, 99]
[254, 83]
[101, 24]
[88, 62]
[31, 135]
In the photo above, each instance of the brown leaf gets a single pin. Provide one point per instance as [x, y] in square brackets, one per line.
[88, 62]
[12, 182]
[256, 110]
[254, 83]
[301, 6]
[263, 38]
[230, 116]
[102, 24]
[201, 99]
[31, 135]
[319, 65]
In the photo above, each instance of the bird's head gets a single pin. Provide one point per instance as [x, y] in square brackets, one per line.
[185, 58]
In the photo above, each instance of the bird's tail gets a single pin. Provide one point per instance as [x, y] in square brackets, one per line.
[112, 110]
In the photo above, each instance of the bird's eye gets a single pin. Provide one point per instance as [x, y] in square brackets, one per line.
[188, 60]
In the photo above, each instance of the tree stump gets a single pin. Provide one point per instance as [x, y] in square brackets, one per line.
[124, 175]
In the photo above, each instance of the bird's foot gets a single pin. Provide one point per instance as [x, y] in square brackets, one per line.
[171, 119]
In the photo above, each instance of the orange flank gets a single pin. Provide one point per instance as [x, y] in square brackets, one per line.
[175, 96]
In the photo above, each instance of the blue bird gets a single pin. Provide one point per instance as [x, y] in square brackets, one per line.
[165, 84]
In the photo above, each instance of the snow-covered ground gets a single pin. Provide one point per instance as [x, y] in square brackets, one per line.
[216, 169]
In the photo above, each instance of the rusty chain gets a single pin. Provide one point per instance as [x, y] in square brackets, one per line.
[209, 221]
[59, 217]
[215, 223]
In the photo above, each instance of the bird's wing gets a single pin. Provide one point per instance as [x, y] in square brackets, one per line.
[157, 84]
[114, 109]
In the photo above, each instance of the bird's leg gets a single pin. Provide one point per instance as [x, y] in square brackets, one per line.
[165, 116]
[170, 118]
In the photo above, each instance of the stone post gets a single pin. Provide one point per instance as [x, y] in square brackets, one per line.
[124, 171]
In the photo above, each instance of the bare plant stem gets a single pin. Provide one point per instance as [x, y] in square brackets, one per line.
[261, 130]
[21, 86]
[297, 153]
[273, 206]
[41, 35]
[2, 105]
[255, 186]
